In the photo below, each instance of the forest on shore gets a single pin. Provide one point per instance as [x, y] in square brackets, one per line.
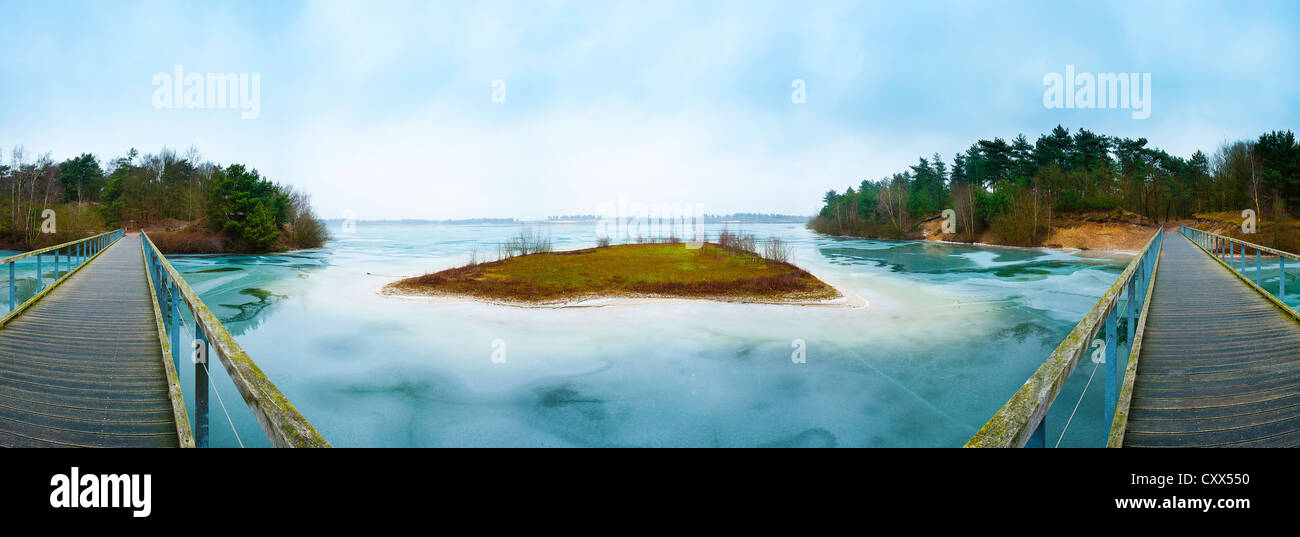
[1016, 190]
[188, 205]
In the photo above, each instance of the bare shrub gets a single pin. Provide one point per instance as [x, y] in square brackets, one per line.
[528, 241]
[302, 228]
[602, 242]
[187, 242]
[739, 242]
[777, 250]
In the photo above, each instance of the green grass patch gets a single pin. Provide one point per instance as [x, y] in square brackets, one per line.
[663, 269]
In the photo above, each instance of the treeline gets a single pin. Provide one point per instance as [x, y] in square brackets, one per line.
[198, 205]
[1016, 189]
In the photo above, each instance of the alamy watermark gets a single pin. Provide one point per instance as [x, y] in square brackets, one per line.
[49, 222]
[96, 491]
[499, 91]
[800, 354]
[1130, 91]
[498, 351]
[233, 91]
[636, 220]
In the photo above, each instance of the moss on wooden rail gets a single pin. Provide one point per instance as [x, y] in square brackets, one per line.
[282, 423]
[19, 309]
[49, 249]
[1016, 421]
[1119, 423]
[1276, 301]
[1273, 251]
[184, 433]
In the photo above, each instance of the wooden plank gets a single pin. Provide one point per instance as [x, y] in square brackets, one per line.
[1282, 400]
[82, 366]
[1207, 424]
[141, 414]
[1219, 365]
[1211, 438]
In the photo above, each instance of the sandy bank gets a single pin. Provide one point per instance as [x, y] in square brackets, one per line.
[1069, 233]
[845, 300]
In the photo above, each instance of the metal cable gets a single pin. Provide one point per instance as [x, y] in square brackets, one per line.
[222, 404]
[1076, 405]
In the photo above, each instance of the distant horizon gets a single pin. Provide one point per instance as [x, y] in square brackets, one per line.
[561, 219]
[5, 152]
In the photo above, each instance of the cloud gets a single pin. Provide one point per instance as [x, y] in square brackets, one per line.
[383, 107]
[443, 164]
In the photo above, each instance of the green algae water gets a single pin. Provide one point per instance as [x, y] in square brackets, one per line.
[951, 332]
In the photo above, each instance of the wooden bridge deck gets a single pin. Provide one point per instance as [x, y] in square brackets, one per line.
[1219, 364]
[83, 365]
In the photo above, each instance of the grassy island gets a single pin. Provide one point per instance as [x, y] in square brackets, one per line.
[626, 270]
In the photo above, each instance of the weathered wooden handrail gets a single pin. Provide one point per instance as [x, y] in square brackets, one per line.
[82, 249]
[1225, 249]
[48, 249]
[283, 425]
[1021, 421]
[1198, 236]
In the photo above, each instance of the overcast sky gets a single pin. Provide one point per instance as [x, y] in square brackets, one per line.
[386, 110]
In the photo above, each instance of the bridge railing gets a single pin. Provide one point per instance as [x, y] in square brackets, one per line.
[1022, 421]
[67, 258]
[283, 425]
[1233, 252]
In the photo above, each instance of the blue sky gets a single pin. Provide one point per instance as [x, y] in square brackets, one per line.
[384, 109]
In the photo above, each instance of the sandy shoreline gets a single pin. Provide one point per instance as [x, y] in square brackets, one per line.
[846, 300]
[1102, 251]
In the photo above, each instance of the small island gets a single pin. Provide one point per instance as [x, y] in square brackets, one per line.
[728, 270]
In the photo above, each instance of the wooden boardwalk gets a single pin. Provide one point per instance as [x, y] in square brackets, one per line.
[1219, 364]
[83, 366]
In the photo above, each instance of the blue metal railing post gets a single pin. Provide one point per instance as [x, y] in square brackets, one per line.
[40, 278]
[1038, 439]
[1132, 310]
[176, 327]
[12, 304]
[1258, 268]
[1281, 278]
[1112, 363]
[200, 389]
[158, 284]
[166, 306]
